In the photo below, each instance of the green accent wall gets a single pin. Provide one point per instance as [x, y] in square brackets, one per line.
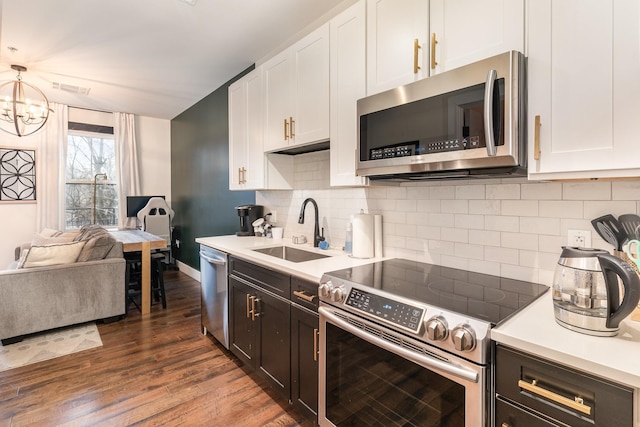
[200, 195]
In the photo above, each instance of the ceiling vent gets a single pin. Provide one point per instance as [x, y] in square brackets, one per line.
[72, 89]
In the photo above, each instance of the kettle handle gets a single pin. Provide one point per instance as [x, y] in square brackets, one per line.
[613, 268]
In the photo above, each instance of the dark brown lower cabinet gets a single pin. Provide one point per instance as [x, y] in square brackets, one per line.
[273, 329]
[304, 360]
[532, 392]
[260, 332]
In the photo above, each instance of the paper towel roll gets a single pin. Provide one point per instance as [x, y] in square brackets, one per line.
[377, 236]
[363, 236]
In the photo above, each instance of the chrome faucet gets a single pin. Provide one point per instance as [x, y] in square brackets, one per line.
[317, 237]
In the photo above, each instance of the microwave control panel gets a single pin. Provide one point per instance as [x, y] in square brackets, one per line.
[418, 148]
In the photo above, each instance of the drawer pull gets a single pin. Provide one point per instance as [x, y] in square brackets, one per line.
[576, 404]
[302, 295]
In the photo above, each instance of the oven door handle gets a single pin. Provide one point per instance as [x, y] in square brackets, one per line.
[424, 361]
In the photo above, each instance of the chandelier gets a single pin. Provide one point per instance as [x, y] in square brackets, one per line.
[23, 108]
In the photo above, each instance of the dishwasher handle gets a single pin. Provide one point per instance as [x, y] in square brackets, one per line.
[217, 261]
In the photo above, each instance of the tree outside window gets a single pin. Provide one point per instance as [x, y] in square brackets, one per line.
[90, 154]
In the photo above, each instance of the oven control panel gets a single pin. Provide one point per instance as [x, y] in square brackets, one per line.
[402, 314]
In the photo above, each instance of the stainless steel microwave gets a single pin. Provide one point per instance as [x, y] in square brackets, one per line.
[468, 122]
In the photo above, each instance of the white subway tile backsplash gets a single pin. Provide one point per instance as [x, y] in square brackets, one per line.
[541, 191]
[502, 255]
[598, 190]
[485, 207]
[503, 191]
[561, 208]
[455, 235]
[522, 208]
[538, 225]
[468, 192]
[455, 206]
[510, 227]
[483, 237]
[502, 223]
[519, 241]
[469, 221]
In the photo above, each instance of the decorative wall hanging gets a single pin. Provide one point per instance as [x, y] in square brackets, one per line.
[17, 175]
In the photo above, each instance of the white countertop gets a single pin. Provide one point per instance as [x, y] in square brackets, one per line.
[309, 270]
[534, 330]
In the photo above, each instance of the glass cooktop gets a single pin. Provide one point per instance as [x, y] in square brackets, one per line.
[481, 296]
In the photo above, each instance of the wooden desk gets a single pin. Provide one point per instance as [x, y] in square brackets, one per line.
[141, 241]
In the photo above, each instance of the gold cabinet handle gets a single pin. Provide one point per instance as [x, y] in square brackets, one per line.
[239, 175]
[286, 135]
[304, 296]
[416, 48]
[248, 306]
[434, 42]
[536, 139]
[577, 403]
[244, 175]
[316, 338]
[292, 127]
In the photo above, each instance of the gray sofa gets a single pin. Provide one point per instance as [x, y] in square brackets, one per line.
[41, 298]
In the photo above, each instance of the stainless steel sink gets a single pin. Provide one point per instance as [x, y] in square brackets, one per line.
[290, 254]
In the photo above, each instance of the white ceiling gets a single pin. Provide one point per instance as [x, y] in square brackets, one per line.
[149, 57]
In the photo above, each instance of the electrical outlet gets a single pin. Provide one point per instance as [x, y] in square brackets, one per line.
[579, 238]
[274, 217]
[177, 243]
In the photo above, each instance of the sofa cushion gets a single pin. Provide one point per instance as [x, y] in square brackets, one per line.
[98, 242]
[59, 253]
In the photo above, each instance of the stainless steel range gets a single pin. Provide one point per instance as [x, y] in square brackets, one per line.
[407, 343]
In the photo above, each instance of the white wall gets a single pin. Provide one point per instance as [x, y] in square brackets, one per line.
[509, 227]
[18, 220]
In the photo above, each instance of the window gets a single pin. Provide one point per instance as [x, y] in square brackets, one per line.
[91, 193]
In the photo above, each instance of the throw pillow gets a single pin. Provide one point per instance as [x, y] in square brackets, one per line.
[40, 240]
[50, 232]
[60, 253]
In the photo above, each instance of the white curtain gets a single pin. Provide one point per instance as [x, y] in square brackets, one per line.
[124, 134]
[51, 158]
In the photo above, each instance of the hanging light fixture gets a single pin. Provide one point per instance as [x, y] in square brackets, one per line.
[23, 108]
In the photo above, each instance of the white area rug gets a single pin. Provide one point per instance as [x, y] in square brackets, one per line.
[49, 344]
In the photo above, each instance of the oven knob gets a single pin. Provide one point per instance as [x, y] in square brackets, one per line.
[337, 294]
[325, 289]
[437, 328]
[463, 337]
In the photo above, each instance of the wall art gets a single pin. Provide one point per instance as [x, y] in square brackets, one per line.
[17, 175]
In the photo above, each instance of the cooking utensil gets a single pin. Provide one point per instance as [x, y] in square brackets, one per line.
[631, 225]
[586, 296]
[609, 228]
[632, 249]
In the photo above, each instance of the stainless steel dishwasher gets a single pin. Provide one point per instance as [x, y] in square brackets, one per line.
[214, 294]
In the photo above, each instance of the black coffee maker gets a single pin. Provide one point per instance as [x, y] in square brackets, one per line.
[248, 214]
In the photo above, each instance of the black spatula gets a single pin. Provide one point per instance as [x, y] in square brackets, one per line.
[609, 228]
[631, 225]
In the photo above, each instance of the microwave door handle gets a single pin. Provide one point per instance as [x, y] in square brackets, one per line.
[492, 75]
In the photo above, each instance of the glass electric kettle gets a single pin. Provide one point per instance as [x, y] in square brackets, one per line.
[587, 295]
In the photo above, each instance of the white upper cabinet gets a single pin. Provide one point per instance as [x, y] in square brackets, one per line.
[465, 31]
[583, 89]
[296, 87]
[348, 77]
[397, 43]
[249, 168]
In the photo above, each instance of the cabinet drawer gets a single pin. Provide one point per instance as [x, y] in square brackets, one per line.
[508, 415]
[273, 281]
[304, 293]
[561, 393]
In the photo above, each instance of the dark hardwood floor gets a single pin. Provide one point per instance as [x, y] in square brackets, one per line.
[157, 370]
